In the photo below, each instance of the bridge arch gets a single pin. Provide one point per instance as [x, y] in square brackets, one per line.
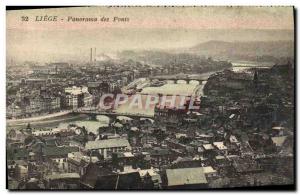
[170, 81]
[198, 91]
[182, 81]
[195, 82]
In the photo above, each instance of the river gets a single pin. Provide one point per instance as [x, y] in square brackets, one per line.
[92, 125]
[181, 88]
[237, 66]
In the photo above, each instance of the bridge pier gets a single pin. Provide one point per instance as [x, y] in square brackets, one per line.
[93, 117]
[112, 119]
[176, 78]
[92, 114]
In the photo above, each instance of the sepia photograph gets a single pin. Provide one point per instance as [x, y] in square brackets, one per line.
[150, 98]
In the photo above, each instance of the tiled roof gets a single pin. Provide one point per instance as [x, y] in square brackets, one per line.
[59, 151]
[186, 176]
[278, 141]
[63, 176]
[108, 143]
[208, 147]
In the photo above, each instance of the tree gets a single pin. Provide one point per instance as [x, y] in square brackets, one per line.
[84, 131]
[159, 135]
[148, 183]
[28, 126]
[28, 140]
[85, 135]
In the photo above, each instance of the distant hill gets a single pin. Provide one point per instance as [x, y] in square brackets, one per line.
[260, 51]
[244, 49]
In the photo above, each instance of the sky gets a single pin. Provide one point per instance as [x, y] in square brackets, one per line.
[145, 28]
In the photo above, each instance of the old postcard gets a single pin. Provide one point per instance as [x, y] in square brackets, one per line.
[150, 98]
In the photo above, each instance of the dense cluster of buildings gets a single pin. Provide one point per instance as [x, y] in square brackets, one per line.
[242, 135]
[34, 90]
[60, 86]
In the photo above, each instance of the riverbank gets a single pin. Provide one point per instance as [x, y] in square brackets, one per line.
[32, 119]
[53, 120]
[50, 120]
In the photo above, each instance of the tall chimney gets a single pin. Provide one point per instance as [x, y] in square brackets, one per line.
[91, 56]
[95, 54]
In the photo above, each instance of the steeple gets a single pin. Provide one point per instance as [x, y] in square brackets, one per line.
[255, 79]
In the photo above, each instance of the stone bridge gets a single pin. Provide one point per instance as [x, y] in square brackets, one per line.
[93, 112]
[178, 77]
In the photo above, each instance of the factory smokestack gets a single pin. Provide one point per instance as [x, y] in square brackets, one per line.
[91, 56]
[95, 54]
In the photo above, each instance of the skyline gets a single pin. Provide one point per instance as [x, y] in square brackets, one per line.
[150, 98]
[163, 29]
